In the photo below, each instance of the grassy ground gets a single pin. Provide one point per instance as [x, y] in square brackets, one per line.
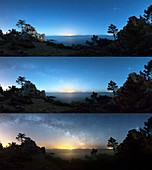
[41, 49]
[38, 106]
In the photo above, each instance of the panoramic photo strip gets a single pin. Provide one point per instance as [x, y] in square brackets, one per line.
[75, 141]
[76, 28]
[76, 85]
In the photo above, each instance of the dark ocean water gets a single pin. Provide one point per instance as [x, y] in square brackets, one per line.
[77, 39]
[77, 96]
[68, 154]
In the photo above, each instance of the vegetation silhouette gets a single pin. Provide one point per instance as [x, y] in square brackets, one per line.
[148, 71]
[94, 152]
[147, 130]
[21, 137]
[21, 80]
[98, 42]
[147, 14]
[21, 24]
[112, 86]
[113, 143]
[112, 29]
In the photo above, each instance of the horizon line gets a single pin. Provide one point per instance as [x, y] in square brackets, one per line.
[77, 35]
[75, 148]
[78, 91]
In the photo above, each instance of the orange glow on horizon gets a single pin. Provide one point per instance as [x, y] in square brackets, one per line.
[64, 147]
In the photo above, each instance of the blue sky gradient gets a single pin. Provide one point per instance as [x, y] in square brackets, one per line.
[78, 17]
[61, 74]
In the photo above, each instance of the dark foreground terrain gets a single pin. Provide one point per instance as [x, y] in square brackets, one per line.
[12, 161]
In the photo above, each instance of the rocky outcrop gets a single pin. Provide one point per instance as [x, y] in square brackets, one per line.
[29, 146]
[30, 90]
[32, 32]
[134, 96]
[135, 143]
[134, 39]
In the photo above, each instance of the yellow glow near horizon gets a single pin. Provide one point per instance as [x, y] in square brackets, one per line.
[67, 91]
[69, 34]
[64, 147]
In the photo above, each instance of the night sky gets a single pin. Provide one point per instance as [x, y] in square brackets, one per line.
[62, 17]
[65, 131]
[64, 74]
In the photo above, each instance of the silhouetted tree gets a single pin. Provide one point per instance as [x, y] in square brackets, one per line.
[12, 89]
[88, 100]
[93, 99]
[147, 13]
[89, 43]
[112, 29]
[148, 71]
[112, 86]
[21, 23]
[21, 137]
[1, 33]
[112, 143]
[94, 38]
[147, 130]
[20, 80]
[13, 146]
[1, 89]
[94, 95]
[1, 146]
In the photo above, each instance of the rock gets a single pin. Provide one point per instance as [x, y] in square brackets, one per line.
[134, 39]
[135, 143]
[25, 36]
[28, 29]
[134, 96]
[29, 146]
[29, 89]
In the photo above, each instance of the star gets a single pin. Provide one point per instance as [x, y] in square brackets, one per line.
[137, 128]
[115, 9]
[129, 68]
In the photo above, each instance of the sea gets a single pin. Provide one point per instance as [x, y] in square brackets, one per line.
[68, 154]
[75, 96]
[76, 39]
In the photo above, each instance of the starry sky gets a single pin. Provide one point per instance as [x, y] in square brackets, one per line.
[65, 131]
[63, 74]
[62, 17]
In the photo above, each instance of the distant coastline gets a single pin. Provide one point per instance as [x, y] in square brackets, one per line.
[74, 39]
[68, 154]
[74, 96]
